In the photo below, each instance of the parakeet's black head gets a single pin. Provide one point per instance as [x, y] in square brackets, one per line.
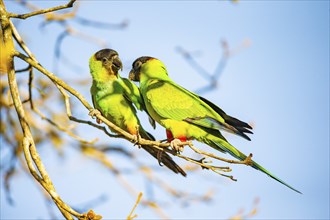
[110, 60]
[104, 65]
[135, 73]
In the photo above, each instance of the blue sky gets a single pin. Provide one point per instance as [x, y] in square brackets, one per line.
[280, 83]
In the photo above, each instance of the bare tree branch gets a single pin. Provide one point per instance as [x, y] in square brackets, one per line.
[130, 215]
[44, 11]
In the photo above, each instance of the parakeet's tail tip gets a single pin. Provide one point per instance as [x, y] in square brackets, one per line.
[258, 167]
[293, 188]
[297, 191]
[290, 187]
[223, 146]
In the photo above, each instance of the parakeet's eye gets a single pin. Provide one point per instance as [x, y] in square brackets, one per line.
[104, 59]
[137, 65]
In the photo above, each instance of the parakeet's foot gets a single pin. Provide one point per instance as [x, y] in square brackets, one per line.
[175, 145]
[136, 138]
[93, 113]
[248, 161]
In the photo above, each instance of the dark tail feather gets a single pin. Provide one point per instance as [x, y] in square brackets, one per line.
[245, 130]
[161, 156]
[242, 134]
[236, 122]
[241, 126]
[165, 159]
[148, 136]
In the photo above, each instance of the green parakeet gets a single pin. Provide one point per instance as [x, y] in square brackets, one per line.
[186, 115]
[113, 97]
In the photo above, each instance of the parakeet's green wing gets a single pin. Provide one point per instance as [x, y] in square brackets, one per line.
[183, 105]
[180, 106]
[92, 90]
[132, 93]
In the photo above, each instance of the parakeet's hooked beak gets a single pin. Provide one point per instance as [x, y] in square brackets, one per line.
[117, 64]
[134, 76]
[135, 73]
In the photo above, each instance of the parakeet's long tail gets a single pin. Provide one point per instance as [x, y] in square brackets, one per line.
[223, 145]
[161, 156]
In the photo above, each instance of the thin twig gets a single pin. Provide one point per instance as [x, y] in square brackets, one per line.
[131, 216]
[43, 11]
[20, 41]
[24, 69]
[98, 24]
[215, 169]
[247, 161]
[31, 76]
